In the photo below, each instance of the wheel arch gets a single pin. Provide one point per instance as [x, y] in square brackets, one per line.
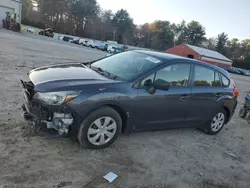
[227, 113]
[122, 114]
[120, 110]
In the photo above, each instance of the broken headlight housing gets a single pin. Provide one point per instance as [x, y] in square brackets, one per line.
[55, 98]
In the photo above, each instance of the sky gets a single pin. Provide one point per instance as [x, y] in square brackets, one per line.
[217, 16]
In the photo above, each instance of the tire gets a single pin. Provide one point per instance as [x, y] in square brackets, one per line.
[212, 128]
[248, 119]
[242, 112]
[92, 130]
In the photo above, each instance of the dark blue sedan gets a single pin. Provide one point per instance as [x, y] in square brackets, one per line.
[136, 90]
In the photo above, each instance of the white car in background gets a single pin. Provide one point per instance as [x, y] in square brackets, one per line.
[91, 43]
[83, 42]
[115, 48]
[111, 48]
[31, 30]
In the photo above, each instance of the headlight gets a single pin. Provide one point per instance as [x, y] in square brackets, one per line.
[55, 98]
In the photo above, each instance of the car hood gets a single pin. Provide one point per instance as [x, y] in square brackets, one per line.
[64, 72]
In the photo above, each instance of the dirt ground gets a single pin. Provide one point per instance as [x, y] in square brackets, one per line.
[181, 158]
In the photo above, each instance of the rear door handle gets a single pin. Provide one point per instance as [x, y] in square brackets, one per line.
[183, 97]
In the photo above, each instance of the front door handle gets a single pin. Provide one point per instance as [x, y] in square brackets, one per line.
[183, 97]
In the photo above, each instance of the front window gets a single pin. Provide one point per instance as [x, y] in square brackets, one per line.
[127, 65]
[175, 75]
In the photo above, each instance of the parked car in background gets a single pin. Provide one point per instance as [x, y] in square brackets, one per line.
[233, 70]
[116, 49]
[134, 90]
[67, 38]
[101, 45]
[112, 48]
[31, 30]
[83, 42]
[243, 72]
[47, 32]
[246, 72]
[75, 41]
[97, 44]
[240, 71]
[91, 43]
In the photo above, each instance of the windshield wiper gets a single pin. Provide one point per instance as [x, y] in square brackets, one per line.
[103, 72]
[99, 70]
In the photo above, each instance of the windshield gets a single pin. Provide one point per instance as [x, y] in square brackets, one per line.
[127, 65]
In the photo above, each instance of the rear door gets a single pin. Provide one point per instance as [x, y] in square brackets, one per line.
[206, 90]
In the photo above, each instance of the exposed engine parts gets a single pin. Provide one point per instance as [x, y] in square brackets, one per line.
[60, 122]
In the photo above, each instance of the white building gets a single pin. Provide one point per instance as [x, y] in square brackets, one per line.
[12, 6]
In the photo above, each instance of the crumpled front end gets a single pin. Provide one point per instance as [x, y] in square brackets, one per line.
[48, 120]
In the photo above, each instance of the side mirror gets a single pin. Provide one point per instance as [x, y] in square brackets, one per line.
[161, 84]
[148, 84]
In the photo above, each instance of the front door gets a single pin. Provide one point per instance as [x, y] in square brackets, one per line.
[165, 108]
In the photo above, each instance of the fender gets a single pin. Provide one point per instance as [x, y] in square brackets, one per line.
[113, 99]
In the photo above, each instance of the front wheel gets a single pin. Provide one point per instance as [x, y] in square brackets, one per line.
[216, 124]
[100, 129]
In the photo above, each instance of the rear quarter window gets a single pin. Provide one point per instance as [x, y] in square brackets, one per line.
[216, 82]
[225, 81]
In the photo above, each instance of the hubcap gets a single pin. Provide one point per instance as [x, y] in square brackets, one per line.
[101, 131]
[217, 122]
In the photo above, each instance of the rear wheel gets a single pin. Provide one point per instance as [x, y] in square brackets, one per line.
[216, 124]
[248, 119]
[100, 128]
[243, 112]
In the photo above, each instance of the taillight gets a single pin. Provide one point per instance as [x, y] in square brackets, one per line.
[236, 92]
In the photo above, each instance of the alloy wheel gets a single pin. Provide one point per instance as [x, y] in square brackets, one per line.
[218, 122]
[102, 130]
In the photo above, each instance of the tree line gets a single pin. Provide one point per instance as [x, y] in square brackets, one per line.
[85, 18]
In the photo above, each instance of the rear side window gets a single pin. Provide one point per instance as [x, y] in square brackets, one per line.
[225, 81]
[203, 77]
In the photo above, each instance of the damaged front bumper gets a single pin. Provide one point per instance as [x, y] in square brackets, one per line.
[50, 121]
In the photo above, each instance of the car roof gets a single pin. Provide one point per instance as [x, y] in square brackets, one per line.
[170, 57]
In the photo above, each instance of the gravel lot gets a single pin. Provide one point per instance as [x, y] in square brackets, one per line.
[183, 158]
